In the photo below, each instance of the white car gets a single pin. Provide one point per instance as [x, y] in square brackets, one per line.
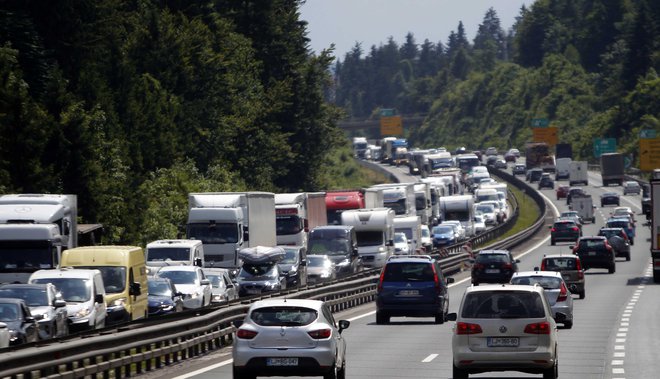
[427, 240]
[479, 223]
[623, 212]
[289, 337]
[401, 246]
[488, 212]
[504, 327]
[190, 281]
[499, 212]
[458, 228]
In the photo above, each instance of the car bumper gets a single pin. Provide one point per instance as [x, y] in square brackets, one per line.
[409, 309]
[116, 315]
[317, 361]
[531, 362]
[565, 309]
[374, 260]
[596, 262]
[195, 303]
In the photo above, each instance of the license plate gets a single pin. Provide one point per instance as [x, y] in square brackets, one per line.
[409, 293]
[282, 362]
[591, 253]
[253, 292]
[503, 341]
[492, 271]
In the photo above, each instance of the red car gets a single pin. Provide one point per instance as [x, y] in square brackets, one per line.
[562, 192]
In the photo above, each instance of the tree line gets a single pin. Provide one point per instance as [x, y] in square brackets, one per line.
[133, 104]
[589, 66]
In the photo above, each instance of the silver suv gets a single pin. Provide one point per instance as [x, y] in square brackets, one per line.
[505, 328]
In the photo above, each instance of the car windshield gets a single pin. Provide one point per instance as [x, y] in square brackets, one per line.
[179, 277]
[114, 277]
[559, 264]
[334, 246]
[33, 297]
[547, 282]
[168, 253]
[258, 270]
[216, 281]
[486, 208]
[443, 229]
[609, 232]
[159, 288]
[503, 304]
[73, 290]
[569, 214]
[318, 261]
[564, 225]
[592, 244]
[214, 233]
[283, 316]
[290, 256]
[617, 224]
[409, 272]
[370, 238]
[426, 232]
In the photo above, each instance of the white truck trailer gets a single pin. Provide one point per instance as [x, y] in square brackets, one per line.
[296, 214]
[374, 229]
[34, 230]
[423, 202]
[461, 208]
[400, 197]
[226, 222]
[412, 228]
[578, 173]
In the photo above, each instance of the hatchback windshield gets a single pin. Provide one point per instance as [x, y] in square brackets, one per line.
[8, 312]
[252, 270]
[72, 290]
[179, 277]
[592, 244]
[171, 253]
[503, 304]
[34, 297]
[283, 316]
[443, 229]
[159, 288]
[492, 258]
[560, 264]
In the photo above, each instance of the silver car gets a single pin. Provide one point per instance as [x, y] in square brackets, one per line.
[191, 281]
[286, 337]
[320, 269]
[555, 289]
[223, 289]
[504, 327]
[46, 306]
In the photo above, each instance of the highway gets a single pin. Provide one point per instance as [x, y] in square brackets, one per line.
[615, 332]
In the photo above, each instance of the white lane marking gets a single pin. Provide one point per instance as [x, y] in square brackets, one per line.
[623, 329]
[621, 334]
[205, 369]
[617, 362]
[619, 347]
[621, 354]
[361, 316]
[429, 358]
[618, 371]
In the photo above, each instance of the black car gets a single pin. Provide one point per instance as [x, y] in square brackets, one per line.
[565, 230]
[519, 169]
[412, 286]
[493, 266]
[618, 239]
[22, 326]
[573, 192]
[546, 182]
[595, 252]
[163, 297]
[534, 175]
[610, 198]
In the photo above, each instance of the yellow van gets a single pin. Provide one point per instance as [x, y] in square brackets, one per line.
[124, 272]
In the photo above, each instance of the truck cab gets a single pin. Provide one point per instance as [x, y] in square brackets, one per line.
[175, 252]
[374, 229]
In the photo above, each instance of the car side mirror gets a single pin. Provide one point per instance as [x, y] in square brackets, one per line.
[205, 282]
[35, 317]
[59, 303]
[31, 320]
[517, 260]
[179, 294]
[343, 324]
[571, 247]
[452, 316]
[560, 317]
[536, 268]
[450, 280]
[390, 243]
[99, 299]
[198, 262]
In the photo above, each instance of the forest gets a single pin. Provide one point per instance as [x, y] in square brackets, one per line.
[588, 66]
[133, 104]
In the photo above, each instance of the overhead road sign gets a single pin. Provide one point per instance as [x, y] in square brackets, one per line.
[548, 135]
[387, 112]
[649, 154]
[647, 134]
[540, 123]
[604, 145]
[391, 126]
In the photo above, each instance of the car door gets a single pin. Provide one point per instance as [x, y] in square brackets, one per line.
[29, 324]
[205, 287]
[340, 343]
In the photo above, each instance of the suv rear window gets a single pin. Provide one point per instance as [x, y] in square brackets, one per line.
[503, 304]
[592, 244]
[547, 282]
[564, 225]
[283, 316]
[409, 272]
[618, 224]
[493, 258]
[560, 264]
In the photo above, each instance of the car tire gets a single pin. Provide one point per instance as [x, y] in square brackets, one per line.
[582, 295]
[341, 374]
[628, 257]
[440, 318]
[552, 372]
[568, 324]
[612, 269]
[332, 374]
[382, 318]
[238, 375]
[552, 242]
[632, 241]
[458, 373]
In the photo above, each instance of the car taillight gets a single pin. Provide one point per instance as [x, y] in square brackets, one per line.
[507, 266]
[246, 334]
[563, 293]
[467, 328]
[538, 328]
[479, 266]
[576, 229]
[382, 276]
[436, 279]
[543, 265]
[553, 230]
[320, 334]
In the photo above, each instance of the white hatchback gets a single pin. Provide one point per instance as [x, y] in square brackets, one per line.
[192, 282]
[505, 327]
[288, 337]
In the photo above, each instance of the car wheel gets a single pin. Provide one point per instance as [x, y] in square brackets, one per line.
[601, 205]
[440, 318]
[458, 373]
[628, 256]
[332, 374]
[552, 242]
[612, 269]
[341, 374]
[632, 241]
[568, 324]
[552, 372]
[382, 318]
[238, 375]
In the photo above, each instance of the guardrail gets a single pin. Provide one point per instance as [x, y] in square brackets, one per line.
[123, 353]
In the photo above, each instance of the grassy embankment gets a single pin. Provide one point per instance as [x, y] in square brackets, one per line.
[529, 213]
[343, 172]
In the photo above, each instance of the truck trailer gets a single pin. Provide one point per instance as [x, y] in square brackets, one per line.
[461, 208]
[612, 168]
[226, 222]
[296, 214]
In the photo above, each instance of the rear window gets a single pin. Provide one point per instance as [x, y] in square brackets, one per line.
[547, 282]
[591, 244]
[503, 304]
[560, 264]
[564, 225]
[617, 224]
[408, 272]
[283, 316]
[492, 258]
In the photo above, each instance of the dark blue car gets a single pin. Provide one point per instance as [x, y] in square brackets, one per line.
[163, 297]
[443, 235]
[626, 225]
[412, 286]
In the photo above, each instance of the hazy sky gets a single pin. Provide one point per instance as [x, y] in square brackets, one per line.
[371, 22]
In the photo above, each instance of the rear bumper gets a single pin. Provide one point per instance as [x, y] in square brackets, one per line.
[409, 309]
[526, 361]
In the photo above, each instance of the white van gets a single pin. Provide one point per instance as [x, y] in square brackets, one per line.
[175, 252]
[83, 292]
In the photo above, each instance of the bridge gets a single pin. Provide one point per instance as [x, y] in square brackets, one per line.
[371, 127]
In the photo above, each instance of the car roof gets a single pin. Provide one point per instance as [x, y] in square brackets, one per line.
[9, 300]
[564, 221]
[553, 274]
[178, 268]
[410, 258]
[602, 238]
[504, 288]
[313, 304]
[567, 255]
[494, 252]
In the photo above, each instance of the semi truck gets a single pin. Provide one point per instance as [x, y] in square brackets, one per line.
[612, 168]
[341, 200]
[359, 147]
[391, 146]
[35, 229]
[296, 214]
[423, 202]
[578, 174]
[460, 208]
[655, 224]
[398, 196]
[374, 228]
[564, 150]
[537, 155]
[226, 222]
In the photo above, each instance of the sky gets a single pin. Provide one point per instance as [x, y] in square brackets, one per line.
[372, 22]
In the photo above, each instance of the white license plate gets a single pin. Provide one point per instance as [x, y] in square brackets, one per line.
[592, 253]
[408, 293]
[282, 362]
[492, 271]
[253, 292]
[503, 341]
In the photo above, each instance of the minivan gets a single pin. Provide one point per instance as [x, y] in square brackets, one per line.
[124, 274]
[84, 293]
[339, 243]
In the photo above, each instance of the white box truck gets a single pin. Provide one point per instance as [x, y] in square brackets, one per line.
[461, 208]
[374, 229]
[34, 230]
[175, 252]
[578, 173]
[563, 168]
[423, 202]
[412, 228]
[400, 197]
[296, 214]
[226, 222]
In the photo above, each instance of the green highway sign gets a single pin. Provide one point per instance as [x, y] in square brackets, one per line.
[540, 122]
[387, 112]
[604, 145]
[647, 134]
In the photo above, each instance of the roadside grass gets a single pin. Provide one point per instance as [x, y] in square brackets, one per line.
[529, 213]
[341, 171]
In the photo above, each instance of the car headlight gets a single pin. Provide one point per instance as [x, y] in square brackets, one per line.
[84, 312]
[381, 249]
[121, 302]
[194, 295]
[166, 307]
[293, 271]
[345, 262]
[13, 335]
[217, 298]
[325, 274]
